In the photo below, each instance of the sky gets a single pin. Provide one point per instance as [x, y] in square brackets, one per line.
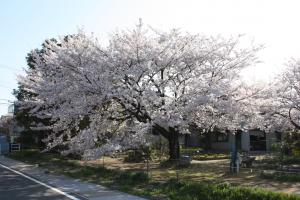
[24, 25]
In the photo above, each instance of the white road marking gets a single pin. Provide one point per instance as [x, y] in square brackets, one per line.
[41, 183]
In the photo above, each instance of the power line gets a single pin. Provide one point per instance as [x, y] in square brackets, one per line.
[7, 87]
[8, 100]
[2, 66]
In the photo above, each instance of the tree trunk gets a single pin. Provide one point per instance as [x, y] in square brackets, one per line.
[174, 151]
[173, 138]
[207, 141]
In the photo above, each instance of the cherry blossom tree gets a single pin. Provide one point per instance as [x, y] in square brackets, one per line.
[281, 104]
[102, 99]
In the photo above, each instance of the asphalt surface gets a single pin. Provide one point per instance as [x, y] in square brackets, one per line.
[17, 187]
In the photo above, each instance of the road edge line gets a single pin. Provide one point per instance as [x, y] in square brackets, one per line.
[41, 183]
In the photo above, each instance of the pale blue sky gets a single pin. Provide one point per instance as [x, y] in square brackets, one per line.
[25, 24]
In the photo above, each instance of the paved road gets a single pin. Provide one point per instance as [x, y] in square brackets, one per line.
[13, 186]
[16, 187]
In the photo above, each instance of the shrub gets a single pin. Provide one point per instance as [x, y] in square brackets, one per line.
[291, 143]
[139, 155]
[288, 160]
[132, 178]
[296, 148]
[159, 147]
[276, 147]
[26, 153]
[135, 156]
[99, 171]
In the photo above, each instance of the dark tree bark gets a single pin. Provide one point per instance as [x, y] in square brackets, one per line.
[207, 141]
[174, 151]
[297, 126]
[173, 138]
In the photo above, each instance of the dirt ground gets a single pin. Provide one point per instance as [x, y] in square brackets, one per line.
[213, 171]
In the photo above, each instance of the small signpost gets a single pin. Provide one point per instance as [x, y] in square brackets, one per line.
[15, 147]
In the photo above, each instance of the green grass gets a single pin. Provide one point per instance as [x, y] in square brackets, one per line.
[56, 163]
[288, 160]
[211, 156]
[203, 156]
[189, 150]
[138, 183]
[281, 176]
[202, 191]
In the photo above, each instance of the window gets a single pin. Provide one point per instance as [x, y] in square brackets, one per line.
[278, 136]
[221, 137]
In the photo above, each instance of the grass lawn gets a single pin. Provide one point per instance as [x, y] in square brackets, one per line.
[281, 176]
[194, 182]
[203, 156]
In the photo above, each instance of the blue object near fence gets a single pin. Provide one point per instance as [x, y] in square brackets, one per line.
[4, 145]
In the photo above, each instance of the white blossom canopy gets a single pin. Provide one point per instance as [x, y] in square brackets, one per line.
[281, 103]
[101, 99]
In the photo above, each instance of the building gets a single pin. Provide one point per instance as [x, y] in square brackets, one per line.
[251, 140]
[9, 125]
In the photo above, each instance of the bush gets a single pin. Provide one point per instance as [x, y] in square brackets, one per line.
[140, 155]
[296, 148]
[286, 148]
[288, 160]
[135, 156]
[99, 171]
[26, 153]
[132, 178]
[291, 143]
[159, 147]
[276, 147]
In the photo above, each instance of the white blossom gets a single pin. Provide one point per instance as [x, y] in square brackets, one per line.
[103, 99]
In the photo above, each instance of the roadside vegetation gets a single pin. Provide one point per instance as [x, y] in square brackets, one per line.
[283, 164]
[193, 182]
[281, 176]
[137, 97]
